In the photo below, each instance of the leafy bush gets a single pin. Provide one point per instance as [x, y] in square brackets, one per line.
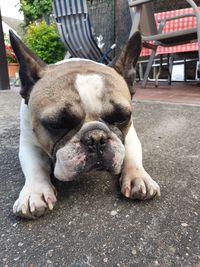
[44, 40]
[35, 9]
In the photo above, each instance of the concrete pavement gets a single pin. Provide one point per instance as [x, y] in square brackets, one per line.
[92, 225]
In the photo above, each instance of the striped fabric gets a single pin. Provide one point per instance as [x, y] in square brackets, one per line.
[175, 25]
[63, 7]
[74, 27]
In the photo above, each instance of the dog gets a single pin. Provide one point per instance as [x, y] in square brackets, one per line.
[77, 114]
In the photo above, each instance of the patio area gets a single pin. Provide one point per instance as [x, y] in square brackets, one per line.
[92, 224]
[177, 92]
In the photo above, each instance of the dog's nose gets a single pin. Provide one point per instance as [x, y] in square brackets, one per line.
[95, 141]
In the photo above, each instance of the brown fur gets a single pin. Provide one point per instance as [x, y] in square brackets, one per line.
[56, 89]
[49, 88]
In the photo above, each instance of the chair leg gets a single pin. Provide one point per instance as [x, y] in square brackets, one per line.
[198, 71]
[135, 17]
[198, 37]
[185, 64]
[140, 70]
[159, 71]
[170, 68]
[148, 68]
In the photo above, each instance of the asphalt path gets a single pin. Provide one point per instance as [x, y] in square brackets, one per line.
[92, 225]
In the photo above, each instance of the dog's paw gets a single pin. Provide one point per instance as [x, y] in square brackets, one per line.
[139, 185]
[34, 200]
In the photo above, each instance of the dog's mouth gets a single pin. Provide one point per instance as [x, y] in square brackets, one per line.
[100, 163]
[81, 164]
[70, 164]
[99, 166]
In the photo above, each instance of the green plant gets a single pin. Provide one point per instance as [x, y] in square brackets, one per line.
[35, 9]
[43, 39]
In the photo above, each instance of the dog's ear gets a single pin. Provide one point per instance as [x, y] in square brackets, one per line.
[126, 62]
[30, 65]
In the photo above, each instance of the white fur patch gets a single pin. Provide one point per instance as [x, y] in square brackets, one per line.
[90, 88]
[133, 148]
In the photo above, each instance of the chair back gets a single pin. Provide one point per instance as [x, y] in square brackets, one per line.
[147, 20]
[75, 29]
[69, 7]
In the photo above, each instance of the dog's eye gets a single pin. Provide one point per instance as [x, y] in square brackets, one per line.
[118, 118]
[49, 125]
[63, 123]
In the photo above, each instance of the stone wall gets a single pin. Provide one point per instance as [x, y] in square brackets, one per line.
[122, 22]
[102, 17]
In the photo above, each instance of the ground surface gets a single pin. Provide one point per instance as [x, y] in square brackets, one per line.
[176, 92]
[92, 225]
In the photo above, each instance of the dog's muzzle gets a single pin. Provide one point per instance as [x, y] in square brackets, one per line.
[93, 147]
[95, 138]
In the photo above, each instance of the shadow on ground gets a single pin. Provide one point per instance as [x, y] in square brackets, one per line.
[92, 225]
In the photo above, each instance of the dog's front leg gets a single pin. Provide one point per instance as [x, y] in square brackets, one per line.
[38, 194]
[135, 182]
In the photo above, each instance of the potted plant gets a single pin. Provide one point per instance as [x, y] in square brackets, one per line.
[13, 66]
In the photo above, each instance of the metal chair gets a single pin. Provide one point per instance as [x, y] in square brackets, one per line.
[142, 14]
[75, 30]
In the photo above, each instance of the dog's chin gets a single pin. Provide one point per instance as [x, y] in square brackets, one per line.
[68, 174]
[70, 166]
[65, 177]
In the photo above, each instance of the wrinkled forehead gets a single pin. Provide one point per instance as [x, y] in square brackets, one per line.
[87, 83]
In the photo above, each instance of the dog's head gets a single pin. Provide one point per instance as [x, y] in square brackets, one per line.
[80, 111]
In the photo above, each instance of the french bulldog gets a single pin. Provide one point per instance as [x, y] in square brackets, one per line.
[77, 115]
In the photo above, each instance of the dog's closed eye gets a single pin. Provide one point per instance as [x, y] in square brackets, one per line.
[120, 116]
[62, 122]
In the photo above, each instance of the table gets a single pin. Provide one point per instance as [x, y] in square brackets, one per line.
[175, 25]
